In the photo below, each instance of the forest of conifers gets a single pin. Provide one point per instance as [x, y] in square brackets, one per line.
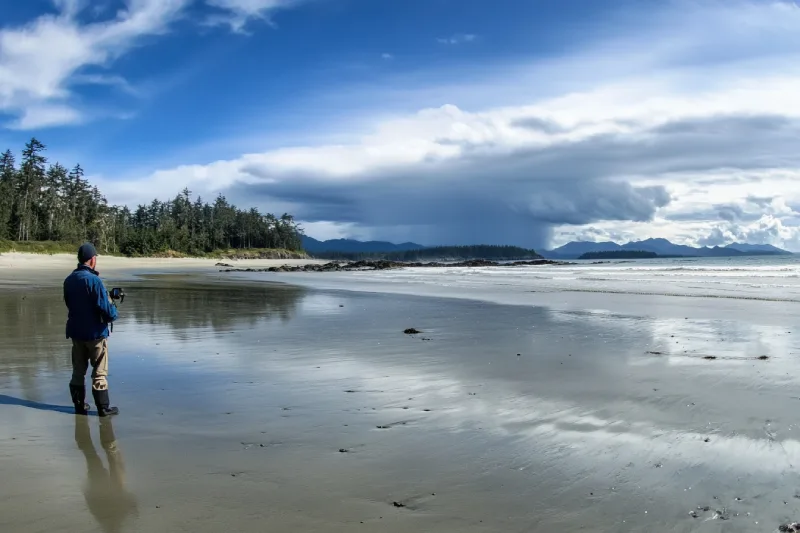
[40, 201]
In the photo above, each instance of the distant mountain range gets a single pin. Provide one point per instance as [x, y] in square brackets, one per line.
[572, 250]
[313, 246]
[661, 247]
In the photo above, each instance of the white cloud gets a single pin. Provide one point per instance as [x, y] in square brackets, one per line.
[769, 229]
[387, 56]
[39, 60]
[614, 154]
[747, 218]
[592, 233]
[45, 115]
[324, 230]
[664, 127]
[42, 60]
[459, 38]
[101, 79]
[236, 13]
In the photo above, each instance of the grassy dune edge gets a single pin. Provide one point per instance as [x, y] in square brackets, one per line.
[54, 248]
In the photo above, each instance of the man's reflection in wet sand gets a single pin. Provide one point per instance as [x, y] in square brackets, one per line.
[106, 496]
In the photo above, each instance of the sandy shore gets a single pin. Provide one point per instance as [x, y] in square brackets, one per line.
[256, 406]
[24, 269]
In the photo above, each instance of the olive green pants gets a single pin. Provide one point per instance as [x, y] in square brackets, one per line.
[94, 354]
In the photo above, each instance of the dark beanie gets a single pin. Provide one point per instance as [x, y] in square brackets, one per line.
[86, 252]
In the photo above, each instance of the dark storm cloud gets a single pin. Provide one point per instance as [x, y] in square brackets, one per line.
[746, 212]
[727, 180]
[716, 237]
[727, 212]
[518, 196]
[731, 213]
[539, 124]
[761, 201]
[725, 125]
[515, 198]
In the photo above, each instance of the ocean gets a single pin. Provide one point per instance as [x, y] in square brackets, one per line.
[767, 279]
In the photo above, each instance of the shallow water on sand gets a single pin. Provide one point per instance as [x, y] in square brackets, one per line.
[264, 407]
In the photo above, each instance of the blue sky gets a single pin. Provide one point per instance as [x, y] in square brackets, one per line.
[198, 85]
[442, 121]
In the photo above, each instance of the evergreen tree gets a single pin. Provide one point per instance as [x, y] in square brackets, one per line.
[8, 177]
[41, 202]
[31, 178]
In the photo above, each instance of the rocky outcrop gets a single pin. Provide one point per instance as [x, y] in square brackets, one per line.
[335, 266]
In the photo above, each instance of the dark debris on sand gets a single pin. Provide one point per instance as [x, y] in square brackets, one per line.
[794, 526]
[718, 515]
[412, 331]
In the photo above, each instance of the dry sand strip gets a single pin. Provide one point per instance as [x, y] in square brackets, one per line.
[45, 270]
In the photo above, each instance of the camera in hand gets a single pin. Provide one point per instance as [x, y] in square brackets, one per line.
[117, 294]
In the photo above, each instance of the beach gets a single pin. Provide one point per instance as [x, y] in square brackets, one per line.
[44, 270]
[619, 397]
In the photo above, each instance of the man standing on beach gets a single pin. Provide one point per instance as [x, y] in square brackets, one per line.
[90, 312]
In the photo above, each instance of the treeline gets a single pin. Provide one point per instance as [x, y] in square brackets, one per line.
[40, 201]
[440, 253]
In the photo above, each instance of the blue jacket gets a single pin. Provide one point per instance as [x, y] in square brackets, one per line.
[90, 308]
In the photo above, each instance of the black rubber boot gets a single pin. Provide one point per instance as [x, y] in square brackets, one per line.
[101, 401]
[78, 394]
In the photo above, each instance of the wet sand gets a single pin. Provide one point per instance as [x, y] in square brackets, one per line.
[253, 407]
